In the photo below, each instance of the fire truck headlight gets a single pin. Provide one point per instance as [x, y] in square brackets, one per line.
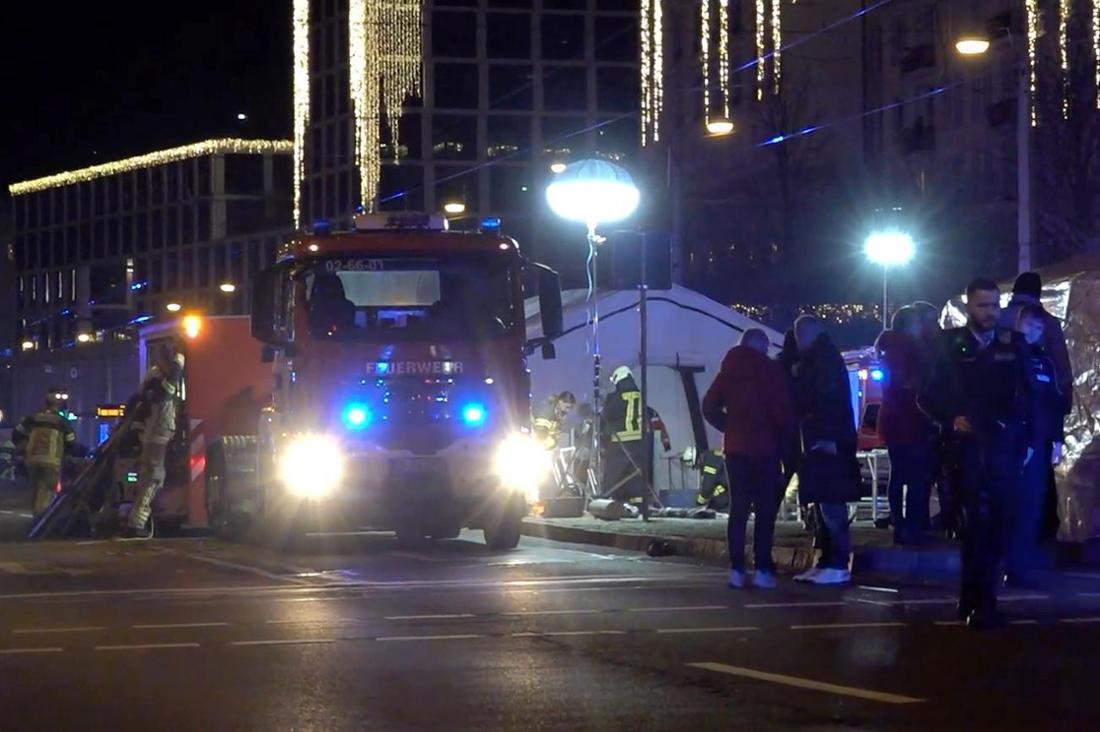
[522, 465]
[311, 466]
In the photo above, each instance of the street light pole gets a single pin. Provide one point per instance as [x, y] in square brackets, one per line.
[643, 364]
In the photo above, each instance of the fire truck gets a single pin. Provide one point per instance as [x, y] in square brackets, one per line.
[400, 397]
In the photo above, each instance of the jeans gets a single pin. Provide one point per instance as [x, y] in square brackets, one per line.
[754, 483]
[832, 536]
[910, 467]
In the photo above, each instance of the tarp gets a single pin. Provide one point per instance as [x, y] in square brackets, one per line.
[1071, 292]
[689, 335]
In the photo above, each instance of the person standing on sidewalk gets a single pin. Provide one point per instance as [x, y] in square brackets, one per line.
[904, 428]
[750, 404]
[979, 389]
[829, 476]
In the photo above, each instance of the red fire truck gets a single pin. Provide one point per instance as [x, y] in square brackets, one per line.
[401, 396]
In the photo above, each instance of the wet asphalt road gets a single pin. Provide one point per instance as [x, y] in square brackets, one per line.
[354, 632]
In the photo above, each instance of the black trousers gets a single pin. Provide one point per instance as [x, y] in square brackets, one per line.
[754, 484]
[990, 478]
[622, 464]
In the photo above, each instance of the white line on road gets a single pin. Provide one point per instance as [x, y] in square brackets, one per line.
[146, 646]
[1023, 598]
[313, 621]
[727, 629]
[811, 684]
[847, 626]
[80, 629]
[552, 612]
[763, 605]
[453, 616]
[1080, 620]
[930, 601]
[22, 651]
[685, 608]
[234, 565]
[464, 636]
[165, 626]
[283, 642]
[1023, 622]
[566, 633]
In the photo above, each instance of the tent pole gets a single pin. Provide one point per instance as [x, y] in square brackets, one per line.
[643, 359]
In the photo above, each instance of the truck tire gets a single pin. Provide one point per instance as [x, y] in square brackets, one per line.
[503, 531]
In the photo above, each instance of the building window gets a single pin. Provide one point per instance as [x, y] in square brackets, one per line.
[128, 235]
[508, 35]
[509, 137]
[617, 39]
[558, 138]
[456, 86]
[157, 239]
[563, 37]
[402, 188]
[202, 262]
[454, 34]
[456, 183]
[509, 189]
[172, 227]
[617, 89]
[187, 269]
[454, 137]
[511, 87]
[565, 88]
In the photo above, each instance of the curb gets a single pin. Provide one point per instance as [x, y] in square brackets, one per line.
[935, 563]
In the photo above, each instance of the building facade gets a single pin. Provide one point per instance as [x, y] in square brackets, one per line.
[96, 248]
[509, 87]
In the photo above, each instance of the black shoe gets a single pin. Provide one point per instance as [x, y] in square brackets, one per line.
[963, 610]
[986, 620]
[131, 534]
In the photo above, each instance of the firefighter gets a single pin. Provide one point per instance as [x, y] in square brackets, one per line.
[621, 425]
[44, 438]
[549, 416]
[980, 390]
[713, 491]
[160, 393]
[7, 461]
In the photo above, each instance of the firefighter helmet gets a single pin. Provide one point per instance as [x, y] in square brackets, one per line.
[619, 374]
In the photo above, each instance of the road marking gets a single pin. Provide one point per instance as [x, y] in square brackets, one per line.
[676, 609]
[27, 651]
[19, 514]
[930, 601]
[811, 684]
[234, 565]
[80, 629]
[873, 588]
[553, 612]
[146, 646]
[1023, 598]
[1023, 622]
[848, 626]
[454, 616]
[283, 642]
[727, 629]
[313, 621]
[763, 605]
[567, 633]
[465, 636]
[1088, 594]
[1079, 620]
[164, 626]
[948, 623]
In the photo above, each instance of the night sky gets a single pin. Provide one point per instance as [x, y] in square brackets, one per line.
[93, 82]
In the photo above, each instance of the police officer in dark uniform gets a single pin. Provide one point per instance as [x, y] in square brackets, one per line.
[1028, 553]
[979, 389]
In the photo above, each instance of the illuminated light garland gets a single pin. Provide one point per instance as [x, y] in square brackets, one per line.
[1032, 9]
[385, 54]
[704, 56]
[1096, 45]
[777, 42]
[724, 54]
[760, 36]
[1064, 10]
[149, 160]
[653, 69]
[300, 34]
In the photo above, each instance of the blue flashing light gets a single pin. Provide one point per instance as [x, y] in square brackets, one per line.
[492, 223]
[877, 374]
[322, 227]
[357, 416]
[138, 286]
[141, 319]
[382, 368]
[474, 414]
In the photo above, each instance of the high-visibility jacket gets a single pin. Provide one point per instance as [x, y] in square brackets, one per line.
[622, 415]
[45, 437]
[546, 423]
[712, 484]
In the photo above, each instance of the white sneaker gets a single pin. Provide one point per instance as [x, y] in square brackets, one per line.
[832, 577]
[763, 580]
[737, 578]
[808, 575]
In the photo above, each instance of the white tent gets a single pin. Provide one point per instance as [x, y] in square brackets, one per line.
[689, 335]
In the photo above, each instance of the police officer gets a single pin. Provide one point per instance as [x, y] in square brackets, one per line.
[979, 389]
[549, 416]
[160, 396]
[624, 450]
[44, 438]
[1026, 553]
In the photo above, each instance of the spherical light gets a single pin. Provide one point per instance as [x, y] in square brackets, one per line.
[454, 207]
[83, 337]
[593, 192]
[889, 248]
[558, 167]
[173, 307]
[28, 345]
[227, 287]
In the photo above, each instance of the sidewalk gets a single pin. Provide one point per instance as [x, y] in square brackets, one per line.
[705, 539]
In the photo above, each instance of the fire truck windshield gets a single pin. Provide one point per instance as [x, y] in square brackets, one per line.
[362, 298]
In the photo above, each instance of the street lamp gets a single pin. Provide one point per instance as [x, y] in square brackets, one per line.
[972, 44]
[227, 287]
[891, 248]
[454, 208]
[173, 307]
[594, 192]
[719, 127]
[557, 167]
[28, 345]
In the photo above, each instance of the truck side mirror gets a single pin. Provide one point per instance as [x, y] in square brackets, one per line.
[549, 353]
[268, 354]
[550, 307]
[269, 307]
